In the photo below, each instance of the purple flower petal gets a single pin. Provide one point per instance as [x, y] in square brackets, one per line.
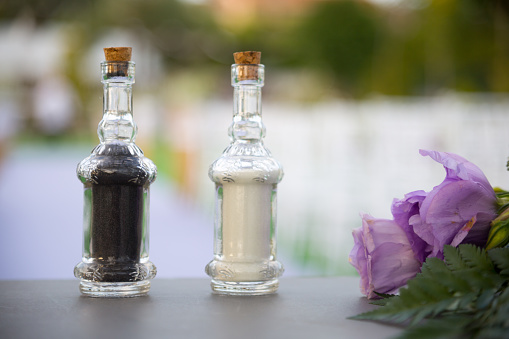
[358, 258]
[459, 168]
[464, 203]
[478, 235]
[393, 264]
[406, 214]
[463, 232]
[383, 256]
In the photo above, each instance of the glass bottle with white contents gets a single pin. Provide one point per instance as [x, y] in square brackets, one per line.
[116, 179]
[246, 178]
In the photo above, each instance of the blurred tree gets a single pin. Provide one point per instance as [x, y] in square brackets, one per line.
[459, 44]
[467, 45]
[401, 49]
[43, 10]
[180, 31]
[398, 66]
[448, 44]
[184, 33]
[341, 37]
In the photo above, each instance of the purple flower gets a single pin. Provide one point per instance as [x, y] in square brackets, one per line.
[460, 209]
[383, 256]
[387, 253]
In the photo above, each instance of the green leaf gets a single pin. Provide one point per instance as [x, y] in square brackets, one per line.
[385, 295]
[467, 296]
[454, 259]
[500, 191]
[502, 207]
[468, 277]
[473, 256]
[445, 328]
[500, 256]
[485, 299]
[379, 302]
[499, 234]
[493, 333]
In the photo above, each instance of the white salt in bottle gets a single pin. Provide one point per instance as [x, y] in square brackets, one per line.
[246, 178]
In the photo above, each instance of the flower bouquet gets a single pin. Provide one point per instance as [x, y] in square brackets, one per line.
[447, 246]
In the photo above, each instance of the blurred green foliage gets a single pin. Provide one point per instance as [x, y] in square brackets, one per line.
[341, 37]
[413, 47]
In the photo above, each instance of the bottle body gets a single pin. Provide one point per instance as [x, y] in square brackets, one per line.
[116, 179]
[245, 224]
[246, 178]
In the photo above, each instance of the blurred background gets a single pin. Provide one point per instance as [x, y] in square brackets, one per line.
[353, 90]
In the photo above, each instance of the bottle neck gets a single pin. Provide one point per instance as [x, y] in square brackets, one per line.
[118, 98]
[117, 122]
[247, 125]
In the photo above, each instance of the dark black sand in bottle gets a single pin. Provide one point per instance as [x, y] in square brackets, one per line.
[118, 182]
[117, 222]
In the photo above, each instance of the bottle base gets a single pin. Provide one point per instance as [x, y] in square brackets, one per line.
[114, 289]
[246, 288]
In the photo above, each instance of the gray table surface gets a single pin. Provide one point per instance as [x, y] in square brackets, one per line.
[185, 308]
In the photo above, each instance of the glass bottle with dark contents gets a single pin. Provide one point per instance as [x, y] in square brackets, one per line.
[116, 178]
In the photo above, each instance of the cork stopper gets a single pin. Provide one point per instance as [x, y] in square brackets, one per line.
[247, 62]
[118, 53]
[117, 61]
[247, 58]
